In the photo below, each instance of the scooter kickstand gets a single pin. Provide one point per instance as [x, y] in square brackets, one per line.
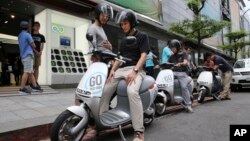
[121, 134]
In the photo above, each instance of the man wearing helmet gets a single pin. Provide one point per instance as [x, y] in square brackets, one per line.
[103, 12]
[180, 59]
[131, 71]
[27, 48]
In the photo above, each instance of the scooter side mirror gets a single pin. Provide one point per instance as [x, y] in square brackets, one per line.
[89, 37]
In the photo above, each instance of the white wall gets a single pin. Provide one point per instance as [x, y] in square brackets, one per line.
[81, 41]
[75, 28]
[44, 70]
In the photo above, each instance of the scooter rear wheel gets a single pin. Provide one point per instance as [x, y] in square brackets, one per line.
[148, 119]
[64, 122]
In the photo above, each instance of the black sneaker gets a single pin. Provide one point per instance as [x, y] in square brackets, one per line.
[24, 91]
[36, 89]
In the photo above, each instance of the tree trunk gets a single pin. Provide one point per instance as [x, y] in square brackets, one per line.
[199, 52]
[235, 54]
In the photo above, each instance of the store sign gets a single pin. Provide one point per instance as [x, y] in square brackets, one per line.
[149, 8]
[57, 29]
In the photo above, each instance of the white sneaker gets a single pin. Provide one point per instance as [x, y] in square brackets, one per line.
[189, 109]
[139, 136]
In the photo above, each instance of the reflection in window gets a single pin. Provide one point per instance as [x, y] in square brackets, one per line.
[74, 70]
[56, 51]
[63, 52]
[78, 64]
[61, 70]
[75, 53]
[68, 70]
[239, 64]
[82, 59]
[69, 52]
[72, 64]
[58, 57]
[71, 58]
[80, 70]
[53, 63]
[54, 69]
[59, 63]
[66, 64]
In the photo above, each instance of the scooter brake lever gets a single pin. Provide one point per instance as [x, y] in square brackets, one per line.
[120, 60]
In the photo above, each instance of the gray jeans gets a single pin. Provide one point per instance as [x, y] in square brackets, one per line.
[184, 79]
[135, 102]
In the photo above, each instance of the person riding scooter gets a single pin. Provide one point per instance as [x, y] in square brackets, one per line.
[179, 58]
[103, 12]
[132, 71]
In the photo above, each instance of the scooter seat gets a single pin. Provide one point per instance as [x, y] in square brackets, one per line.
[147, 82]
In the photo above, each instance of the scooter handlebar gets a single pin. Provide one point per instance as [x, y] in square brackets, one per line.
[167, 65]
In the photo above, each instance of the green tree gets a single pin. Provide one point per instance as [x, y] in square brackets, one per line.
[200, 27]
[236, 42]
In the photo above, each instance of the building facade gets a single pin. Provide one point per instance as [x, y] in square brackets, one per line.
[64, 24]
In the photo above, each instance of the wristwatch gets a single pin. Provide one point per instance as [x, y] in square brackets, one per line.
[135, 70]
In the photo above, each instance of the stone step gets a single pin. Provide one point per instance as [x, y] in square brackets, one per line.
[13, 91]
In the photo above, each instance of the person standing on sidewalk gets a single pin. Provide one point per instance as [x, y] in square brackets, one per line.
[17, 69]
[39, 41]
[166, 53]
[149, 65]
[227, 72]
[27, 48]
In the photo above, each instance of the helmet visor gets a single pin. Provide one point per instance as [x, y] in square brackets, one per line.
[107, 10]
[121, 17]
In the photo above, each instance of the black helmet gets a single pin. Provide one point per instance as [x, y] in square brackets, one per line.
[175, 43]
[24, 24]
[105, 9]
[126, 15]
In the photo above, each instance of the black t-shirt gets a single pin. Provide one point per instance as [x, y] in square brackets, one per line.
[178, 58]
[134, 52]
[38, 39]
[225, 66]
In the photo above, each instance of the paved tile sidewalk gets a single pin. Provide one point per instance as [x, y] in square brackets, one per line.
[18, 112]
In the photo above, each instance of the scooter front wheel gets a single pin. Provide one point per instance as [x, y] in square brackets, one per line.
[202, 95]
[60, 130]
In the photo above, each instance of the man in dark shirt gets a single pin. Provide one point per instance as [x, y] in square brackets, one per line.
[131, 71]
[226, 69]
[180, 59]
[39, 41]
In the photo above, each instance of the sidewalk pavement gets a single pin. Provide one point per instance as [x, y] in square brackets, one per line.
[24, 111]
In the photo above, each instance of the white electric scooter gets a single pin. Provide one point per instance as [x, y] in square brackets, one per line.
[208, 84]
[169, 91]
[71, 124]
